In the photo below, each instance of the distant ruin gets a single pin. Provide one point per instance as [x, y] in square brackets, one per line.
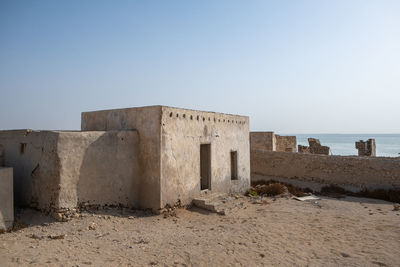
[366, 148]
[272, 142]
[314, 147]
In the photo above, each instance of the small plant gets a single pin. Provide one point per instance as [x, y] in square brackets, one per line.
[252, 193]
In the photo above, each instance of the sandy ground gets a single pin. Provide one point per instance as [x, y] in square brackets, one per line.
[284, 232]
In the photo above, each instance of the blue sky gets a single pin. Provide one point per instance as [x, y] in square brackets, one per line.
[292, 66]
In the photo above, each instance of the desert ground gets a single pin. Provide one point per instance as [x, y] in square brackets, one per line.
[263, 232]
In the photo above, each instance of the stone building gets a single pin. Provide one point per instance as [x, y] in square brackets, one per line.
[366, 148]
[272, 142]
[146, 157]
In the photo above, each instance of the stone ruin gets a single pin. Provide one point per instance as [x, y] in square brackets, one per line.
[272, 142]
[366, 148]
[314, 147]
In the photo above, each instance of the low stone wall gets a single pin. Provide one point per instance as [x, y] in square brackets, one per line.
[307, 170]
[6, 198]
[61, 170]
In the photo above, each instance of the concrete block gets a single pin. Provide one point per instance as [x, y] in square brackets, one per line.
[6, 198]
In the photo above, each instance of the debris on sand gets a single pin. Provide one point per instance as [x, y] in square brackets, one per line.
[311, 197]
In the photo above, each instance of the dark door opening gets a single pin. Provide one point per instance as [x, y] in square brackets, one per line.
[205, 166]
[234, 165]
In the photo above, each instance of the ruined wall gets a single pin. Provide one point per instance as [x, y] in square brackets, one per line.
[367, 148]
[147, 121]
[182, 133]
[272, 142]
[285, 143]
[263, 141]
[56, 170]
[353, 173]
[6, 198]
[314, 147]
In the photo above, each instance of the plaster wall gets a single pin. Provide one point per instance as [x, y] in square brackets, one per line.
[182, 133]
[147, 122]
[59, 170]
[6, 198]
[352, 173]
[99, 168]
[33, 155]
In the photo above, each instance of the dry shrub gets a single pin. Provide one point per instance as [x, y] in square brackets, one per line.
[271, 189]
[298, 192]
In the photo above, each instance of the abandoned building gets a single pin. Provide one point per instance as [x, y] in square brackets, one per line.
[272, 142]
[314, 147]
[146, 157]
[366, 148]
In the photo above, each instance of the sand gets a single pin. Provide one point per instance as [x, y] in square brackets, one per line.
[285, 232]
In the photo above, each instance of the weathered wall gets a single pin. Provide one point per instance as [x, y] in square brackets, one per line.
[285, 143]
[56, 170]
[6, 198]
[1, 156]
[353, 173]
[182, 133]
[366, 148]
[99, 168]
[33, 155]
[272, 142]
[147, 121]
[263, 141]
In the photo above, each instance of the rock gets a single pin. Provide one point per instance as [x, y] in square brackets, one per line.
[92, 226]
[58, 216]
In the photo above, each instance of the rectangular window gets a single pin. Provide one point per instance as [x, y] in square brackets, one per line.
[234, 165]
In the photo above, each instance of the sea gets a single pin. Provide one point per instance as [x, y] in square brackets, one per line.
[387, 145]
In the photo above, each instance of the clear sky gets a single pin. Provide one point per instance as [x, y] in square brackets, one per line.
[292, 66]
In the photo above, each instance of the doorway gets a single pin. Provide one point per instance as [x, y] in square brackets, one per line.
[205, 166]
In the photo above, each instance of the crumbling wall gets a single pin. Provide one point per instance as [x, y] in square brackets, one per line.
[272, 142]
[6, 198]
[285, 143]
[352, 173]
[263, 140]
[314, 147]
[367, 148]
[183, 131]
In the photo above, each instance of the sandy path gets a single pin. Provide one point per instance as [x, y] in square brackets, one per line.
[285, 232]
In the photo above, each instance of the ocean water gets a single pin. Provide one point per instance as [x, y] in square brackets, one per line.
[387, 145]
